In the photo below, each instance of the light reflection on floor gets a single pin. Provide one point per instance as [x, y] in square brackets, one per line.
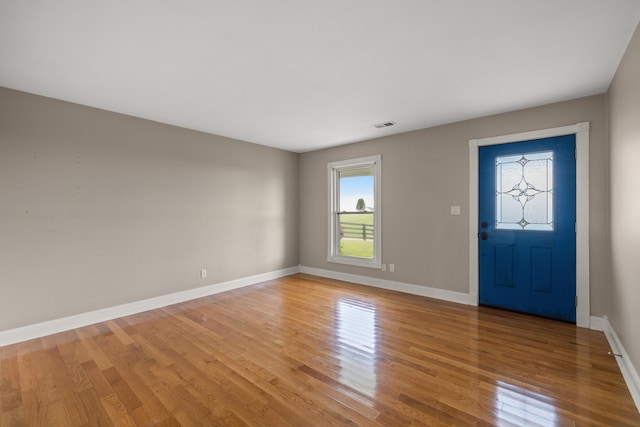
[356, 340]
[514, 405]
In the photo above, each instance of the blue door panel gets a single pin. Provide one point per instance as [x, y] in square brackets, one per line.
[541, 269]
[522, 270]
[504, 266]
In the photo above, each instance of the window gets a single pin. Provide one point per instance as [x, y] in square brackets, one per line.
[354, 212]
[524, 191]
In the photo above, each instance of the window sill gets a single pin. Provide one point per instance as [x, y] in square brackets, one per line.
[357, 262]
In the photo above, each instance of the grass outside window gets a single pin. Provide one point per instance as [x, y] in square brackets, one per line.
[350, 245]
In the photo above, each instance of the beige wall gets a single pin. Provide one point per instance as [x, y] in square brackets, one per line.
[424, 173]
[99, 209]
[624, 134]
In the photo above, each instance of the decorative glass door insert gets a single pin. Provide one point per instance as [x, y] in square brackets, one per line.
[524, 191]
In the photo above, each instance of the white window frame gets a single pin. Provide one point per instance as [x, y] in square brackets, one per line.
[333, 170]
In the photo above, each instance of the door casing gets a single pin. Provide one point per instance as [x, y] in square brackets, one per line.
[581, 130]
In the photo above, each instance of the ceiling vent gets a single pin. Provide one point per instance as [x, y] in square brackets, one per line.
[383, 125]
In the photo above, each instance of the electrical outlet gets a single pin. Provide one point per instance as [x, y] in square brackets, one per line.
[392, 268]
[383, 267]
[203, 273]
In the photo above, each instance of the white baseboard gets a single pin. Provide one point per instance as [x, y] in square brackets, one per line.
[38, 330]
[629, 372]
[408, 288]
[597, 323]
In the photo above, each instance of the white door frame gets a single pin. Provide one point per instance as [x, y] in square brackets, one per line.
[581, 130]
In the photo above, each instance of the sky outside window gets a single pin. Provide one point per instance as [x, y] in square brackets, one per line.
[353, 188]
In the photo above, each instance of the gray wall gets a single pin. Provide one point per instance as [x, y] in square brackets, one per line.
[424, 173]
[99, 209]
[624, 134]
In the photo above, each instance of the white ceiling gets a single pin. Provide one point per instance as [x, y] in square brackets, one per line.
[302, 75]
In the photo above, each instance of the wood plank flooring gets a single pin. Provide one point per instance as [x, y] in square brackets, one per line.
[306, 351]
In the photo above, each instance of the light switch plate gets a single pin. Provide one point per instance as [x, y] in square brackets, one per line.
[455, 210]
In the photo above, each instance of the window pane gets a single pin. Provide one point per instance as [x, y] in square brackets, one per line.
[356, 190]
[356, 234]
[524, 191]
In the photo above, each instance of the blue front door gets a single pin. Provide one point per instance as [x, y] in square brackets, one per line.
[527, 215]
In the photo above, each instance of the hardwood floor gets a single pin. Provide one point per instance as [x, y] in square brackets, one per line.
[306, 351]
